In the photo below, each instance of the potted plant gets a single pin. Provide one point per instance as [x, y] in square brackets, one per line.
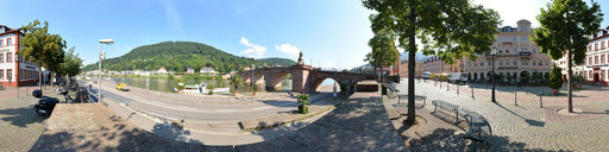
[303, 100]
[210, 89]
[555, 80]
[235, 81]
[255, 90]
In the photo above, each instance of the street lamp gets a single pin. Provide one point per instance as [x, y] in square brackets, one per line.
[101, 58]
[493, 56]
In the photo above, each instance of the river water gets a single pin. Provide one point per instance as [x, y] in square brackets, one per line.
[168, 85]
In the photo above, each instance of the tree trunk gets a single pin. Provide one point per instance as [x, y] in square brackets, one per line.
[569, 81]
[410, 119]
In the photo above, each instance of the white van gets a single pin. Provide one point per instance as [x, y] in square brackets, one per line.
[458, 78]
[426, 75]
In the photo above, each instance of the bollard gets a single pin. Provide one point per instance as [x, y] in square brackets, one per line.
[457, 89]
[472, 92]
[540, 101]
[515, 99]
[447, 85]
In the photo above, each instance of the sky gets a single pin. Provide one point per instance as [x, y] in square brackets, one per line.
[331, 34]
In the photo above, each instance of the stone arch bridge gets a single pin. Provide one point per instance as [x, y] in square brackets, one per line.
[305, 79]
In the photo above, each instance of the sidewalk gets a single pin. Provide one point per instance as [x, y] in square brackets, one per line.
[527, 127]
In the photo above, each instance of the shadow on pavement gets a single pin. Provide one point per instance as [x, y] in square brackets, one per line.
[21, 116]
[443, 139]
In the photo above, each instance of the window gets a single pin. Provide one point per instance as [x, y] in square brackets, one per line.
[481, 63]
[1, 74]
[1, 40]
[1, 57]
[500, 39]
[514, 38]
[9, 57]
[602, 45]
[9, 74]
[500, 51]
[9, 41]
[595, 59]
[596, 47]
[500, 62]
[523, 39]
[589, 60]
[602, 59]
[507, 38]
[515, 63]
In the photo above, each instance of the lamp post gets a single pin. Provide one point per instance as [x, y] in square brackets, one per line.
[101, 58]
[493, 55]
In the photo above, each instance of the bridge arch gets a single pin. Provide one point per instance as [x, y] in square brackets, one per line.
[318, 83]
[273, 80]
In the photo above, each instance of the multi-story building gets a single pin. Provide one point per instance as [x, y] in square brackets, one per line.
[14, 70]
[419, 69]
[436, 66]
[515, 55]
[596, 64]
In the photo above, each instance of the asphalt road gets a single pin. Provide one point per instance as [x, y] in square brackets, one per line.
[168, 108]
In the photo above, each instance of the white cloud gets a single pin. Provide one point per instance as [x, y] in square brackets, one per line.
[253, 50]
[288, 49]
[513, 10]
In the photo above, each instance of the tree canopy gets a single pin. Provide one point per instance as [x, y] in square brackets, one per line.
[41, 47]
[565, 27]
[72, 64]
[451, 29]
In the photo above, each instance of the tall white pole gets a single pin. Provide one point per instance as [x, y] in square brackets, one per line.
[100, 72]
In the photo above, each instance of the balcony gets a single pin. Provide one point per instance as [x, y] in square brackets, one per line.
[524, 54]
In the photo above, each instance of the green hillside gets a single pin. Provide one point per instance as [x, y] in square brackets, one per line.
[178, 56]
[277, 61]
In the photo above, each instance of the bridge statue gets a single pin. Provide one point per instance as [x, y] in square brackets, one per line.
[305, 79]
[300, 58]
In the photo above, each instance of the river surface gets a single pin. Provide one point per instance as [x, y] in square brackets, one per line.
[168, 85]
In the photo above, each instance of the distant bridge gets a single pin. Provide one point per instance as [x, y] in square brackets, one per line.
[305, 79]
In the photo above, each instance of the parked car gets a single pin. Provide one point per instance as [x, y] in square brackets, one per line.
[458, 78]
[426, 75]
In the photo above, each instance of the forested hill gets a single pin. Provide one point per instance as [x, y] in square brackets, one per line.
[178, 56]
[277, 61]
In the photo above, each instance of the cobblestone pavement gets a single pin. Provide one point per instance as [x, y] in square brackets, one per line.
[529, 127]
[20, 127]
[359, 124]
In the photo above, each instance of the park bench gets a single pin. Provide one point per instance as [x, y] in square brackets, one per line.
[392, 92]
[447, 107]
[479, 128]
[421, 98]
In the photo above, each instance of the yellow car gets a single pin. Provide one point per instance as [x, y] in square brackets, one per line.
[122, 87]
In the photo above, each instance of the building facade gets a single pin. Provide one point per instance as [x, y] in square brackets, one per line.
[436, 66]
[14, 70]
[595, 67]
[515, 56]
[419, 69]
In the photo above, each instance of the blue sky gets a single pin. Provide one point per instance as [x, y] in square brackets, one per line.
[330, 33]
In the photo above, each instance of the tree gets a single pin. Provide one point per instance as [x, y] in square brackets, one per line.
[236, 81]
[451, 29]
[384, 52]
[565, 26]
[555, 79]
[303, 100]
[42, 48]
[71, 65]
